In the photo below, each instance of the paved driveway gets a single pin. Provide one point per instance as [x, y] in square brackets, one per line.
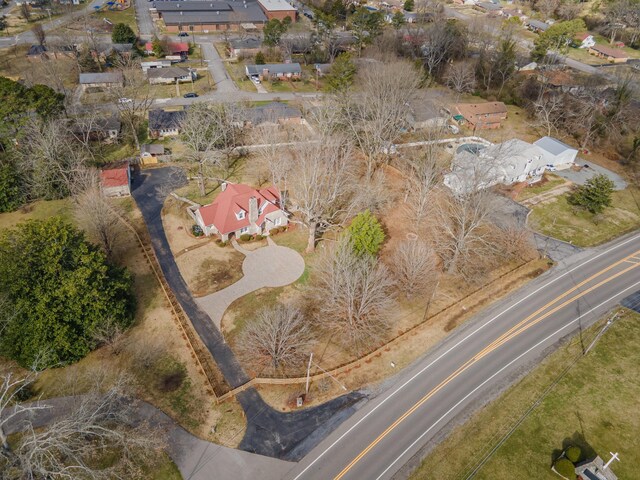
[588, 171]
[270, 266]
[219, 73]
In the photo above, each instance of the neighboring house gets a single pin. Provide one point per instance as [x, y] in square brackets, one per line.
[322, 69]
[105, 129]
[146, 66]
[481, 116]
[425, 114]
[509, 162]
[37, 52]
[115, 179]
[537, 26]
[179, 48]
[101, 80]
[167, 76]
[241, 209]
[585, 40]
[103, 51]
[150, 153]
[274, 113]
[41, 52]
[279, 9]
[489, 7]
[612, 55]
[164, 123]
[514, 12]
[409, 17]
[244, 47]
[275, 71]
[563, 80]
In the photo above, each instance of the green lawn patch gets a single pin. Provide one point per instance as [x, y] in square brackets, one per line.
[42, 210]
[563, 221]
[591, 406]
[128, 17]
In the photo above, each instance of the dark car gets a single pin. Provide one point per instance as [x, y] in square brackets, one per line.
[183, 34]
[191, 95]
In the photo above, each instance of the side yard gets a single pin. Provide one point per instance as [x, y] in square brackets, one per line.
[590, 407]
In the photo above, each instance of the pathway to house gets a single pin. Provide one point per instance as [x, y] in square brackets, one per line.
[269, 432]
[270, 266]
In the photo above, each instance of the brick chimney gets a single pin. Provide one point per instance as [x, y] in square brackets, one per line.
[223, 186]
[253, 210]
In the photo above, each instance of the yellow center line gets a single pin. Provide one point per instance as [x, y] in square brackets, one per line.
[506, 336]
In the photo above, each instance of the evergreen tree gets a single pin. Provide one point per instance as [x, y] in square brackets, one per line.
[557, 38]
[409, 5]
[594, 195]
[398, 20]
[366, 234]
[342, 72]
[60, 290]
[259, 58]
[122, 33]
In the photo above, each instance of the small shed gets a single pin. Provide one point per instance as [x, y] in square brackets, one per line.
[115, 179]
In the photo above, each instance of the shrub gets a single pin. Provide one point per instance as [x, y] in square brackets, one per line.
[259, 237]
[274, 231]
[573, 453]
[197, 231]
[366, 234]
[594, 195]
[221, 243]
[565, 468]
[245, 237]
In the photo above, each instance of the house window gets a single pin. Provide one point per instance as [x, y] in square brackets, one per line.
[277, 221]
[244, 230]
[240, 215]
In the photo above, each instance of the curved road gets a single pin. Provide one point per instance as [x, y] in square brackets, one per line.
[473, 364]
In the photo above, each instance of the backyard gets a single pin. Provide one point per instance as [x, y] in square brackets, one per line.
[590, 407]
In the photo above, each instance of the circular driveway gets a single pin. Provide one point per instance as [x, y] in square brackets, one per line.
[273, 266]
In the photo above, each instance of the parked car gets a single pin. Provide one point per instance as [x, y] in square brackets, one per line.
[183, 34]
[255, 79]
[191, 95]
[124, 100]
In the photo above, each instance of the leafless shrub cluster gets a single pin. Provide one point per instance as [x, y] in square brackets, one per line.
[354, 295]
[415, 268]
[278, 339]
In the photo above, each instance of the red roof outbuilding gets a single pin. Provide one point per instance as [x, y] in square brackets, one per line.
[116, 175]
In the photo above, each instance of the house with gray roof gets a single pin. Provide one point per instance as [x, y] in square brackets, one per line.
[537, 26]
[563, 153]
[163, 123]
[101, 80]
[244, 47]
[274, 71]
[274, 113]
[169, 75]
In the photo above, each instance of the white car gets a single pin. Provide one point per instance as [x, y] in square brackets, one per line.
[255, 79]
[124, 100]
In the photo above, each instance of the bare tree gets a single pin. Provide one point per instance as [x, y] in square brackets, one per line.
[210, 133]
[49, 158]
[136, 91]
[321, 184]
[461, 236]
[354, 296]
[12, 389]
[280, 338]
[25, 11]
[100, 422]
[547, 7]
[377, 114]
[443, 43]
[461, 77]
[548, 110]
[39, 33]
[414, 265]
[100, 219]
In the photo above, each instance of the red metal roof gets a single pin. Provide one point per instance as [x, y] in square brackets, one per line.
[222, 213]
[115, 175]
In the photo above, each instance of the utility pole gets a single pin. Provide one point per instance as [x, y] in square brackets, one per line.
[306, 388]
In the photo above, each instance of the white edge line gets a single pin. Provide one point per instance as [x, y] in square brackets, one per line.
[488, 322]
[500, 371]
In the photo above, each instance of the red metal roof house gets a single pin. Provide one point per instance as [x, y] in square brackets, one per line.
[241, 209]
[115, 179]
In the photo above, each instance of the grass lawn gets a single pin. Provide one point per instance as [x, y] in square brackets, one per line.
[552, 181]
[592, 406]
[165, 469]
[561, 220]
[237, 73]
[42, 210]
[200, 86]
[128, 17]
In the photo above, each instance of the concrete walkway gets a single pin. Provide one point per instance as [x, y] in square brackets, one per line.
[270, 266]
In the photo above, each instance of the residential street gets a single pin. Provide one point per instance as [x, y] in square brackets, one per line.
[146, 28]
[474, 364]
[221, 78]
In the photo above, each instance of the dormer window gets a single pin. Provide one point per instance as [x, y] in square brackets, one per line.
[240, 215]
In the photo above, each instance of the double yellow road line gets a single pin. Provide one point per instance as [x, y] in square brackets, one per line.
[522, 326]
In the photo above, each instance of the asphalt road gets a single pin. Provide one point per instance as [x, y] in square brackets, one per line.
[474, 364]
